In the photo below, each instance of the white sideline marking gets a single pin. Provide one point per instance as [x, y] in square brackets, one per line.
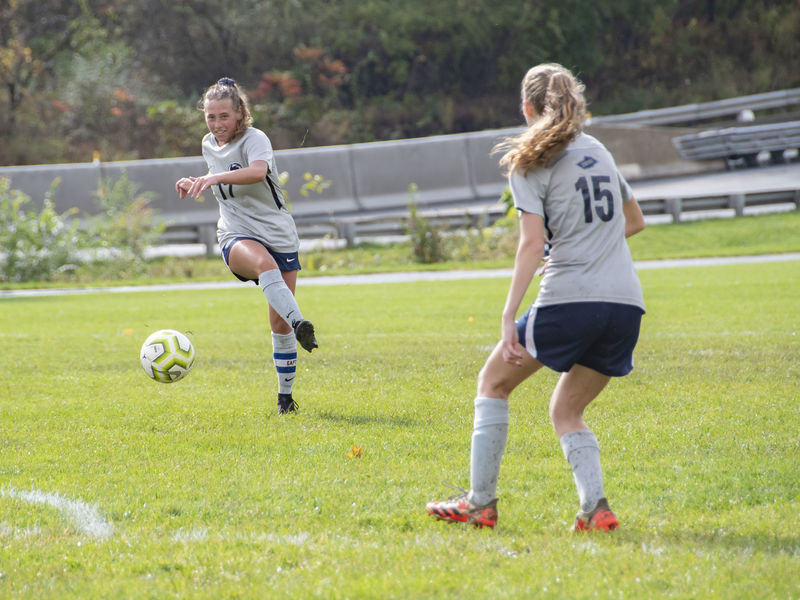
[84, 516]
[190, 535]
[19, 532]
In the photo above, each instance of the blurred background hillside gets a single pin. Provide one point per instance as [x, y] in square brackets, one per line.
[124, 78]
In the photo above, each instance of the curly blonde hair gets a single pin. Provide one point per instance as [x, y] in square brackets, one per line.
[558, 101]
[228, 88]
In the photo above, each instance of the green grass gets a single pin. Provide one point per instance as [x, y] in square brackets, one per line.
[762, 234]
[212, 495]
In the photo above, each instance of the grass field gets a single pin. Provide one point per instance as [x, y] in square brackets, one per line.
[114, 486]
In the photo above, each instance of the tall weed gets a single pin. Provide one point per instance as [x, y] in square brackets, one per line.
[426, 240]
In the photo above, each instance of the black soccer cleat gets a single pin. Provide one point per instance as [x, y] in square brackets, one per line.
[304, 332]
[286, 404]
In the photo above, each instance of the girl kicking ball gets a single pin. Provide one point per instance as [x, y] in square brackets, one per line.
[255, 231]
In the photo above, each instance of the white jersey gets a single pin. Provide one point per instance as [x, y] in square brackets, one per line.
[580, 198]
[257, 210]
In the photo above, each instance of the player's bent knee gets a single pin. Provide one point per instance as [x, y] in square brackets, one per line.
[483, 383]
[490, 386]
[564, 419]
[265, 263]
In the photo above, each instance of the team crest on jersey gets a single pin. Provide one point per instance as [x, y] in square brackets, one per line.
[587, 163]
[234, 166]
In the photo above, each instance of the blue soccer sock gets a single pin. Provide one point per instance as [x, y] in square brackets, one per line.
[284, 357]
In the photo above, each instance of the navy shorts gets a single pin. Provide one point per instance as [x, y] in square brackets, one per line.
[287, 261]
[598, 335]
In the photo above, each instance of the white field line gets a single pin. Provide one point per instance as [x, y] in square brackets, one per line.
[84, 516]
[190, 535]
[379, 278]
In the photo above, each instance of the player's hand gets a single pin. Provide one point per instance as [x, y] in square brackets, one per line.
[183, 185]
[201, 184]
[510, 346]
[543, 268]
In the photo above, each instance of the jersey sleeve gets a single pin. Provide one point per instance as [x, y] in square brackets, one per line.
[205, 152]
[528, 192]
[257, 146]
[624, 188]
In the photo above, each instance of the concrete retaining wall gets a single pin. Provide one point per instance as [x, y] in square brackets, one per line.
[449, 169]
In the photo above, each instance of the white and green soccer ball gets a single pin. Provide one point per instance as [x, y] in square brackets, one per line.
[167, 355]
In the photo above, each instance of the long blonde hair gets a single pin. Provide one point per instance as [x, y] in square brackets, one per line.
[228, 88]
[557, 98]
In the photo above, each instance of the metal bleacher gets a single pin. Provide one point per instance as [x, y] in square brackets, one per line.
[780, 141]
[736, 146]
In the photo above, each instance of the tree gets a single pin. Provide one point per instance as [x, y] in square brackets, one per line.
[33, 34]
[125, 77]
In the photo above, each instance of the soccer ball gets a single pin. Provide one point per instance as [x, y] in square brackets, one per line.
[167, 355]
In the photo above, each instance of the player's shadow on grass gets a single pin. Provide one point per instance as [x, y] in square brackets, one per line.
[377, 419]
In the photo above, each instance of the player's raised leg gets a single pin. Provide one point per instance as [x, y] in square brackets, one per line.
[282, 301]
[250, 259]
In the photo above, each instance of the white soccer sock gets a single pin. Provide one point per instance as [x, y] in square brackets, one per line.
[284, 356]
[279, 296]
[489, 435]
[583, 454]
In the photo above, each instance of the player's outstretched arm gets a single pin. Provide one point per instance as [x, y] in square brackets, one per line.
[253, 173]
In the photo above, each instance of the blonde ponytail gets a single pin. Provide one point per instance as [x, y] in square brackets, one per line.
[558, 101]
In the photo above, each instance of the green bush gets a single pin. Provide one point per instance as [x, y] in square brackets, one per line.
[46, 245]
[311, 183]
[431, 245]
[125, 228]
[496, 242]
[35, 245]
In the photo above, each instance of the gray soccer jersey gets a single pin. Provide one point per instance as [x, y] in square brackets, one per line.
[580, 197]
[256, 210]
